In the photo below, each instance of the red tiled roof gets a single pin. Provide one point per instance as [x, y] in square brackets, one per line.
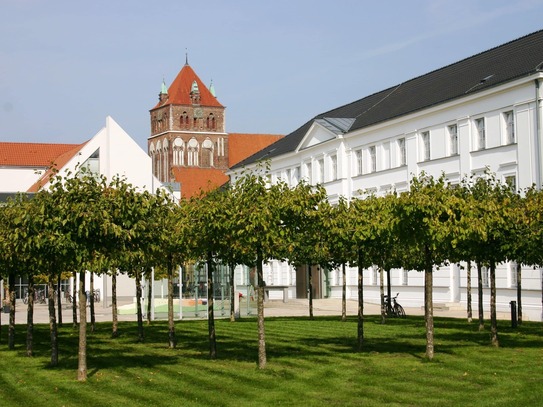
[33, 154]
[56, 163]
[179, 90]
[242, 146]
[196, 180]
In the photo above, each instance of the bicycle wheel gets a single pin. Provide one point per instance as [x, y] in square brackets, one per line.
[399, 311]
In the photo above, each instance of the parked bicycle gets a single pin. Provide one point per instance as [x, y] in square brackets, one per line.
[394, 309]
[39, 297]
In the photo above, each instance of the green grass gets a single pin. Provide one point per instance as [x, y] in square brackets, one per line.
[310, 363]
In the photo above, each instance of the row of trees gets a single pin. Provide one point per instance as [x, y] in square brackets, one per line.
[84, 223]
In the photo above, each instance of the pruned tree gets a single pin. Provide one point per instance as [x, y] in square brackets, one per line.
[428, 218]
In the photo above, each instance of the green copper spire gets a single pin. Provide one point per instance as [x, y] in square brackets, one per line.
[194, 88]
[212, 88]
[163, 88]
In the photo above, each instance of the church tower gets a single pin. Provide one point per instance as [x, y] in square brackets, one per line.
[188, 137]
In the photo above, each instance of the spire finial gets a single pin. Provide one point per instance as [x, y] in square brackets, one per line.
[186, 57]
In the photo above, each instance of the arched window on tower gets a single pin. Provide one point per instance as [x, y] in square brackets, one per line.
[193, 148]
[207, 153]
[184, 120]
[152, 153]
[158, 160]
[165, 161]
[178, 152]
[210, 122]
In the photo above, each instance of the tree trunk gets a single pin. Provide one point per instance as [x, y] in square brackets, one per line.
[114, 316]
[11, 330]
[382, 296]
[138, 306]
[171, 325]
[360, 326]
[519, 293]
[210, 310]
[59, 303]
[74, 300]
[310, 281]
[31, 289]
[468, 292]
[343, 293]
[493, 319]
[149, 296]
[389, 292]
[53, 331]
[232, 294]
[480, 296]
[82, 357]
[429, 305]
[91, 302]
[260, 312]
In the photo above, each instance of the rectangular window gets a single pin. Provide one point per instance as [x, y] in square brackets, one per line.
[373, 159]
[425, 138]
[321, 171]
[333, 167]
[509, 127]
[511, 181]
[295, 176]
[481, 135]
[308, 174]
[513, 273]
[375, 275]
[402, 153]
[485, 277]
[288, 177]
[453, 139]
[359, 169]
[405, 277]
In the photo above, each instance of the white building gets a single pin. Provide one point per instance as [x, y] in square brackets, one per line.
[484, 111]
[24, 167]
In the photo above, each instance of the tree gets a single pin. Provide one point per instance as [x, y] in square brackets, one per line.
[488, 229]
[87, 224]
[428, 217]
[260, 233]
[302, 210]
[339, 236]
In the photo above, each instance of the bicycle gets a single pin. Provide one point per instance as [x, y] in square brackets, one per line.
[394, 310]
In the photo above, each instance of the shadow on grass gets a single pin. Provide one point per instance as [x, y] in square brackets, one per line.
[286, 338]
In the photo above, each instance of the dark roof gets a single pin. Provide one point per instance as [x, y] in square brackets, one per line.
[516, 59]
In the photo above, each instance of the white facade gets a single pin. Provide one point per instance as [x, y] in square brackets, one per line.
[110, 152]
[498, 128]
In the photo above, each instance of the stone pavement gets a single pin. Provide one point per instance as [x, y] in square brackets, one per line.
[274, 308]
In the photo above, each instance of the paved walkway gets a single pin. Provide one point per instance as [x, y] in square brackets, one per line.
[274, 308]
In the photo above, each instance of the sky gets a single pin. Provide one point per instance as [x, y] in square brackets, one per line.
[66, 65]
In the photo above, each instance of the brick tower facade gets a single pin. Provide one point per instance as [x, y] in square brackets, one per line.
[187, 128]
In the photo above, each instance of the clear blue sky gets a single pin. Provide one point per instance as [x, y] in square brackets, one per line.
[66, 65]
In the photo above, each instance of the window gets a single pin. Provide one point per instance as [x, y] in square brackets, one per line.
[308, 172]
[401, 150]
[333, 167]
[405, 277]
[513, 273]
[453, 139]
[320, 165]
[481, 135]
[511, 181]
[509, 127]
[359, 168]
[485, 277]
[295, 175]
[375, 275]
[425, 138]
[373, 159]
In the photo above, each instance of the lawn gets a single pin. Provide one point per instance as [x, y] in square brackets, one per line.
[310, 363]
